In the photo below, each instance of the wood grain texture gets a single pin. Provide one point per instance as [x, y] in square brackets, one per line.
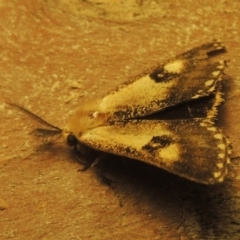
[57, 54]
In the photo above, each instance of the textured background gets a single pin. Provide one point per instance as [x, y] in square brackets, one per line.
[56, 54]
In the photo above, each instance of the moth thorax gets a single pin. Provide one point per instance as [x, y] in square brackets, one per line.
[85, 119]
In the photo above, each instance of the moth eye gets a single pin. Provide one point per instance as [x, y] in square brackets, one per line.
[72, 140]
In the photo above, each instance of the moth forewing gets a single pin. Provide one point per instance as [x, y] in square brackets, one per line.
[188, 148]
[190, 75]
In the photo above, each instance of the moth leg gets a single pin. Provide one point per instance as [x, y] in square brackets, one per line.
[102, 155]
[85, 155]
[86, 163]
[109, 182]
[88, 157]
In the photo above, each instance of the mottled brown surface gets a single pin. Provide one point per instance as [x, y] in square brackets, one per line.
[54, 55]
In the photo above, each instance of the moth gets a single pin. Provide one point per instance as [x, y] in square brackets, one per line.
[164, 117]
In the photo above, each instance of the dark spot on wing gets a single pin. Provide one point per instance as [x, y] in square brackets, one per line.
[160, 75]
[158, 142]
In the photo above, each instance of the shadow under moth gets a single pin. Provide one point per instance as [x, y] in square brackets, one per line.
[164, 117]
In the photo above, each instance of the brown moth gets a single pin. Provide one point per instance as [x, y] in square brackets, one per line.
[164, 117]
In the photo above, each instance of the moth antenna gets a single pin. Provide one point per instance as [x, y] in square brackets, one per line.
[45, 129]
[34, 116]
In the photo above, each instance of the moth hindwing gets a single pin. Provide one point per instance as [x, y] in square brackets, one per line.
[164, 117]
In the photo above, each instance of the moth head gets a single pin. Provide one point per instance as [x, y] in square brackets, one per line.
[72, 141]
